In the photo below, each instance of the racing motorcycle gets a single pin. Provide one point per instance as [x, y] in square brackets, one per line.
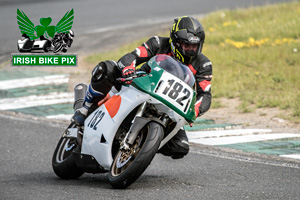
[123, 135]
[62, 41]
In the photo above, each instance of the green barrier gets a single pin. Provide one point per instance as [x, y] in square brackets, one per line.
[197, 127]
[36, 90]
[22, 73]
[290, 146]
[48, 110]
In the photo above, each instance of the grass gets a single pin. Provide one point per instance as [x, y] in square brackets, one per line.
[255, 54]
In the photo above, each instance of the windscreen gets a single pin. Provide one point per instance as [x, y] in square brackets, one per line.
[175, 68]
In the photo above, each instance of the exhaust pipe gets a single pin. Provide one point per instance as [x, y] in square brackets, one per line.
[79, 95]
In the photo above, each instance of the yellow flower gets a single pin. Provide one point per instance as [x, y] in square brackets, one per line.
[235, 43]
[251, 40]
[226, 24]
[222, 44]
[264, 41]
[278, 41]
[239, 44]
[229, 23]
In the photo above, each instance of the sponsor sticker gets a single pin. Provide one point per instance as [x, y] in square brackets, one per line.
[194, 39]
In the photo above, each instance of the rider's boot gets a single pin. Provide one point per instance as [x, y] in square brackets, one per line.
[81, 113]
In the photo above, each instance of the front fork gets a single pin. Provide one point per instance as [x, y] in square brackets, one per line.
[138, 122]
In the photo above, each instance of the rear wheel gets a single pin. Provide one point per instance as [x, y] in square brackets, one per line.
[63, 161]
[129, 164]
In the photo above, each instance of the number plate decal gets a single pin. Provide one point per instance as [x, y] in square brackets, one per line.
[175, 91]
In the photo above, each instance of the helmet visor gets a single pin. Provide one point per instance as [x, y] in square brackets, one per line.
[187, 36]
[189, 49]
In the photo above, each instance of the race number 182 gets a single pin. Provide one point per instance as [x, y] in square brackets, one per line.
[173, 90]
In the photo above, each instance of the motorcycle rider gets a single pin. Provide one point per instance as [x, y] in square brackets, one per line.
[66, 37]
[185, 44]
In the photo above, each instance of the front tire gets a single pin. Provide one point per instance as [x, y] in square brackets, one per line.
[128, 165]
[63, 161]
[57, 47]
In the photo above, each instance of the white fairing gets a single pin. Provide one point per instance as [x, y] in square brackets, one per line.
[173, 116]
[100, 128]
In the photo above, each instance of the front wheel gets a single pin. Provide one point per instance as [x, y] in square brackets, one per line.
[63, 161]
[57, 47]
[129, 164]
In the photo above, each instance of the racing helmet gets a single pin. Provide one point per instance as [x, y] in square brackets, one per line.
[186, 38]
[71, 33]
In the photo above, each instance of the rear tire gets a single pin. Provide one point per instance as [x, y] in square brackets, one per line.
[63, 161]
[128, 166]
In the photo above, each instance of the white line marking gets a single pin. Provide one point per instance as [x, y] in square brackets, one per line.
[222, 133]
[34, 100]
[61, 116]
[251, 160]
[29, 82]
[242, 139]
[295, 156]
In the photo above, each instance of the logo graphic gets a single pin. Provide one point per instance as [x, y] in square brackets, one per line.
[52, 38]
[194, 39]
[45, 38]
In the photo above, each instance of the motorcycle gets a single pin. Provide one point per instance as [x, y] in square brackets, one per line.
[123, 135]
[62, 41]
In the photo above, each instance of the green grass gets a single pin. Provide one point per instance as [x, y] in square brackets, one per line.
[255, 54]
[264, 70]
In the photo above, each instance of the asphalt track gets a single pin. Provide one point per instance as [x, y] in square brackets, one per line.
[206, 173]
[27, 143]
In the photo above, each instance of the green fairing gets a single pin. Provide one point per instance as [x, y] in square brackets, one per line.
[148, 83]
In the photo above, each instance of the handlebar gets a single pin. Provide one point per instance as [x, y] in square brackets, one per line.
[138, 74]
[126, 79]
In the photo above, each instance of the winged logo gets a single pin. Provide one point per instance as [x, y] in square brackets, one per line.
[33, 32]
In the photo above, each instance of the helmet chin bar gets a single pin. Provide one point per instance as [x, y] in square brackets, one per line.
[184, 57]
[190, 53]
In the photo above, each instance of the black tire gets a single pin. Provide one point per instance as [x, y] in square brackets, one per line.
[63, 161]
[57, 47]
[147, 145]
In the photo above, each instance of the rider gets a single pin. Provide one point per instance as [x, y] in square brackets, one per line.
[67, 37]
[185, 44]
